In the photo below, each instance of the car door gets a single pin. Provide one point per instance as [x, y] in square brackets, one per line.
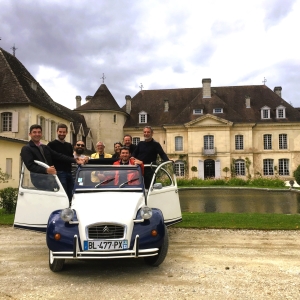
[39, 195]
[163, 193]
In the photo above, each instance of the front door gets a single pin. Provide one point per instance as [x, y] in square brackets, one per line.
[39, 195]
[209, 168]
[166, 197]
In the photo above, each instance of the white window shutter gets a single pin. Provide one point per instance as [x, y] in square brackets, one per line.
[201, 169]
[15, 121]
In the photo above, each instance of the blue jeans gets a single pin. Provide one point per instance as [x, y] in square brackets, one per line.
[67, 182]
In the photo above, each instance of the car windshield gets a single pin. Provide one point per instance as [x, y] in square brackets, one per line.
[103, 177]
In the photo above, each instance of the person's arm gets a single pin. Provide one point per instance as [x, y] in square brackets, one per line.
[62, 157]
[28, 158]
[161, 152]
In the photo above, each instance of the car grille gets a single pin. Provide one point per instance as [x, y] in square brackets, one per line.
[106, 231]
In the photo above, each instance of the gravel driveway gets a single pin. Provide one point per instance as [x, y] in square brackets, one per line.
[201, 264]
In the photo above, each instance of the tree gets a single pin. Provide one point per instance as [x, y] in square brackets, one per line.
[3, 177]
[226, 170]
[297, 175]
[194, 169]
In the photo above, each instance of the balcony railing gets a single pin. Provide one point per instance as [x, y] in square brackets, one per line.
[209, 152]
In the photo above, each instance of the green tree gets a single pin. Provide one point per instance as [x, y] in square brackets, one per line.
[226, 170]
[194, 169]
[297, 175]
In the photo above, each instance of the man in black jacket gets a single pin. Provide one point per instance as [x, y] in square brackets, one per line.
[63, 168]
[34, 150]
[147, 152]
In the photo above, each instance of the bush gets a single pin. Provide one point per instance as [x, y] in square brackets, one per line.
[8, 199]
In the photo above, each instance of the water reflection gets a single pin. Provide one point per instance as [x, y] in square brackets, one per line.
[239, 201]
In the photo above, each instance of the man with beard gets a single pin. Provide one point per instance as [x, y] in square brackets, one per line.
[63, 169]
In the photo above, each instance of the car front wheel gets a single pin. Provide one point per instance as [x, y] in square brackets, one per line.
[55, 265]
[162, 252]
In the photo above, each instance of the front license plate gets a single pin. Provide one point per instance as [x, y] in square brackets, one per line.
[105, 245]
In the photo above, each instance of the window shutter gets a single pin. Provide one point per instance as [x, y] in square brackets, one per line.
[15, 121]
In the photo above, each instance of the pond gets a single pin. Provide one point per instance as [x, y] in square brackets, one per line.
[224, 200]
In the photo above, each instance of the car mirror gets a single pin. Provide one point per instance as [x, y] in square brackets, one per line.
[157, 186]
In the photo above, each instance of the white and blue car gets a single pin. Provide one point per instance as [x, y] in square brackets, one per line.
[111, 214]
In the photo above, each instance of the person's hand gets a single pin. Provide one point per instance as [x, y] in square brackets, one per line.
[86, 159]
[51, 170]
[80, 160]
[137, 161]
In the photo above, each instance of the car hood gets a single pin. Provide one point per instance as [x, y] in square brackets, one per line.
[107, 207]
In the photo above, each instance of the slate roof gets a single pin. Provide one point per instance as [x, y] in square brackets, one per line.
[231, 99]
[102, 100]
[16, 88]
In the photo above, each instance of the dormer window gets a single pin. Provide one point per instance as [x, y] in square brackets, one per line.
[265, 112]
[280, 112]
[142, 117]
[218, 110]
[198, 111]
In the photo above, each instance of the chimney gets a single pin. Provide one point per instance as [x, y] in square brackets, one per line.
[247, 98]
[78, 101]
[128, 104]
[88, 98]
[206, 87]
[277, 90]
[166, 102]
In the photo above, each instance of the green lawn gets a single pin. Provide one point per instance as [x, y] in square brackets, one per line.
[6, 219]
[240, 221]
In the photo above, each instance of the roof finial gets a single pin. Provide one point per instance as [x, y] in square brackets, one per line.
[264, 81]
[141, 86]
[14, 50]
[103, 77]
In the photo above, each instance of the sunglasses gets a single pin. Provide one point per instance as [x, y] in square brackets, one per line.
[80, 145]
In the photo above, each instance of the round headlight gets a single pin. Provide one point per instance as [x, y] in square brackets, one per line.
[67, 214]
[146, 212]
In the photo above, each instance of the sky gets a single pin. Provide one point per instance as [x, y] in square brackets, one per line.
[153, 44]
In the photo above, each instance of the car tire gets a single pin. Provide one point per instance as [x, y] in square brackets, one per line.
[162, 252]
[55, 265]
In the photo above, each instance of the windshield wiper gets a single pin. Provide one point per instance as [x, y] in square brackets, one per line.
[104, 181]
[131, 180]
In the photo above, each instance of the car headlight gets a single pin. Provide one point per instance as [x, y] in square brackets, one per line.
[67, 214]
[146, 212]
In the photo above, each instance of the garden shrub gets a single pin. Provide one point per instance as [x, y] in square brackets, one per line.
[297, 175]
[8, 199]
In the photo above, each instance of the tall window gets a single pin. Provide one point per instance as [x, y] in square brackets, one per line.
[88, 143]
[8, 170]
[115, 118]
[179, 168]
[135, 140]
[239, 142]
[268, 167]
[208, 142]
[267, 141]
[178, 143]
[283, 141]
[240, 167]
[283, 167]
[6, 121]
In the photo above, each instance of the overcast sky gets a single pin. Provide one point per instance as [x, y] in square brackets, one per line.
[68, 45]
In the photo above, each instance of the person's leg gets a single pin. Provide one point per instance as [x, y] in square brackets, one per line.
[70, 185]
[148, 174]
[62, 176]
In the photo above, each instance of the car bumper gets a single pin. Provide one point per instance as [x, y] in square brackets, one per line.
[130, 253]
